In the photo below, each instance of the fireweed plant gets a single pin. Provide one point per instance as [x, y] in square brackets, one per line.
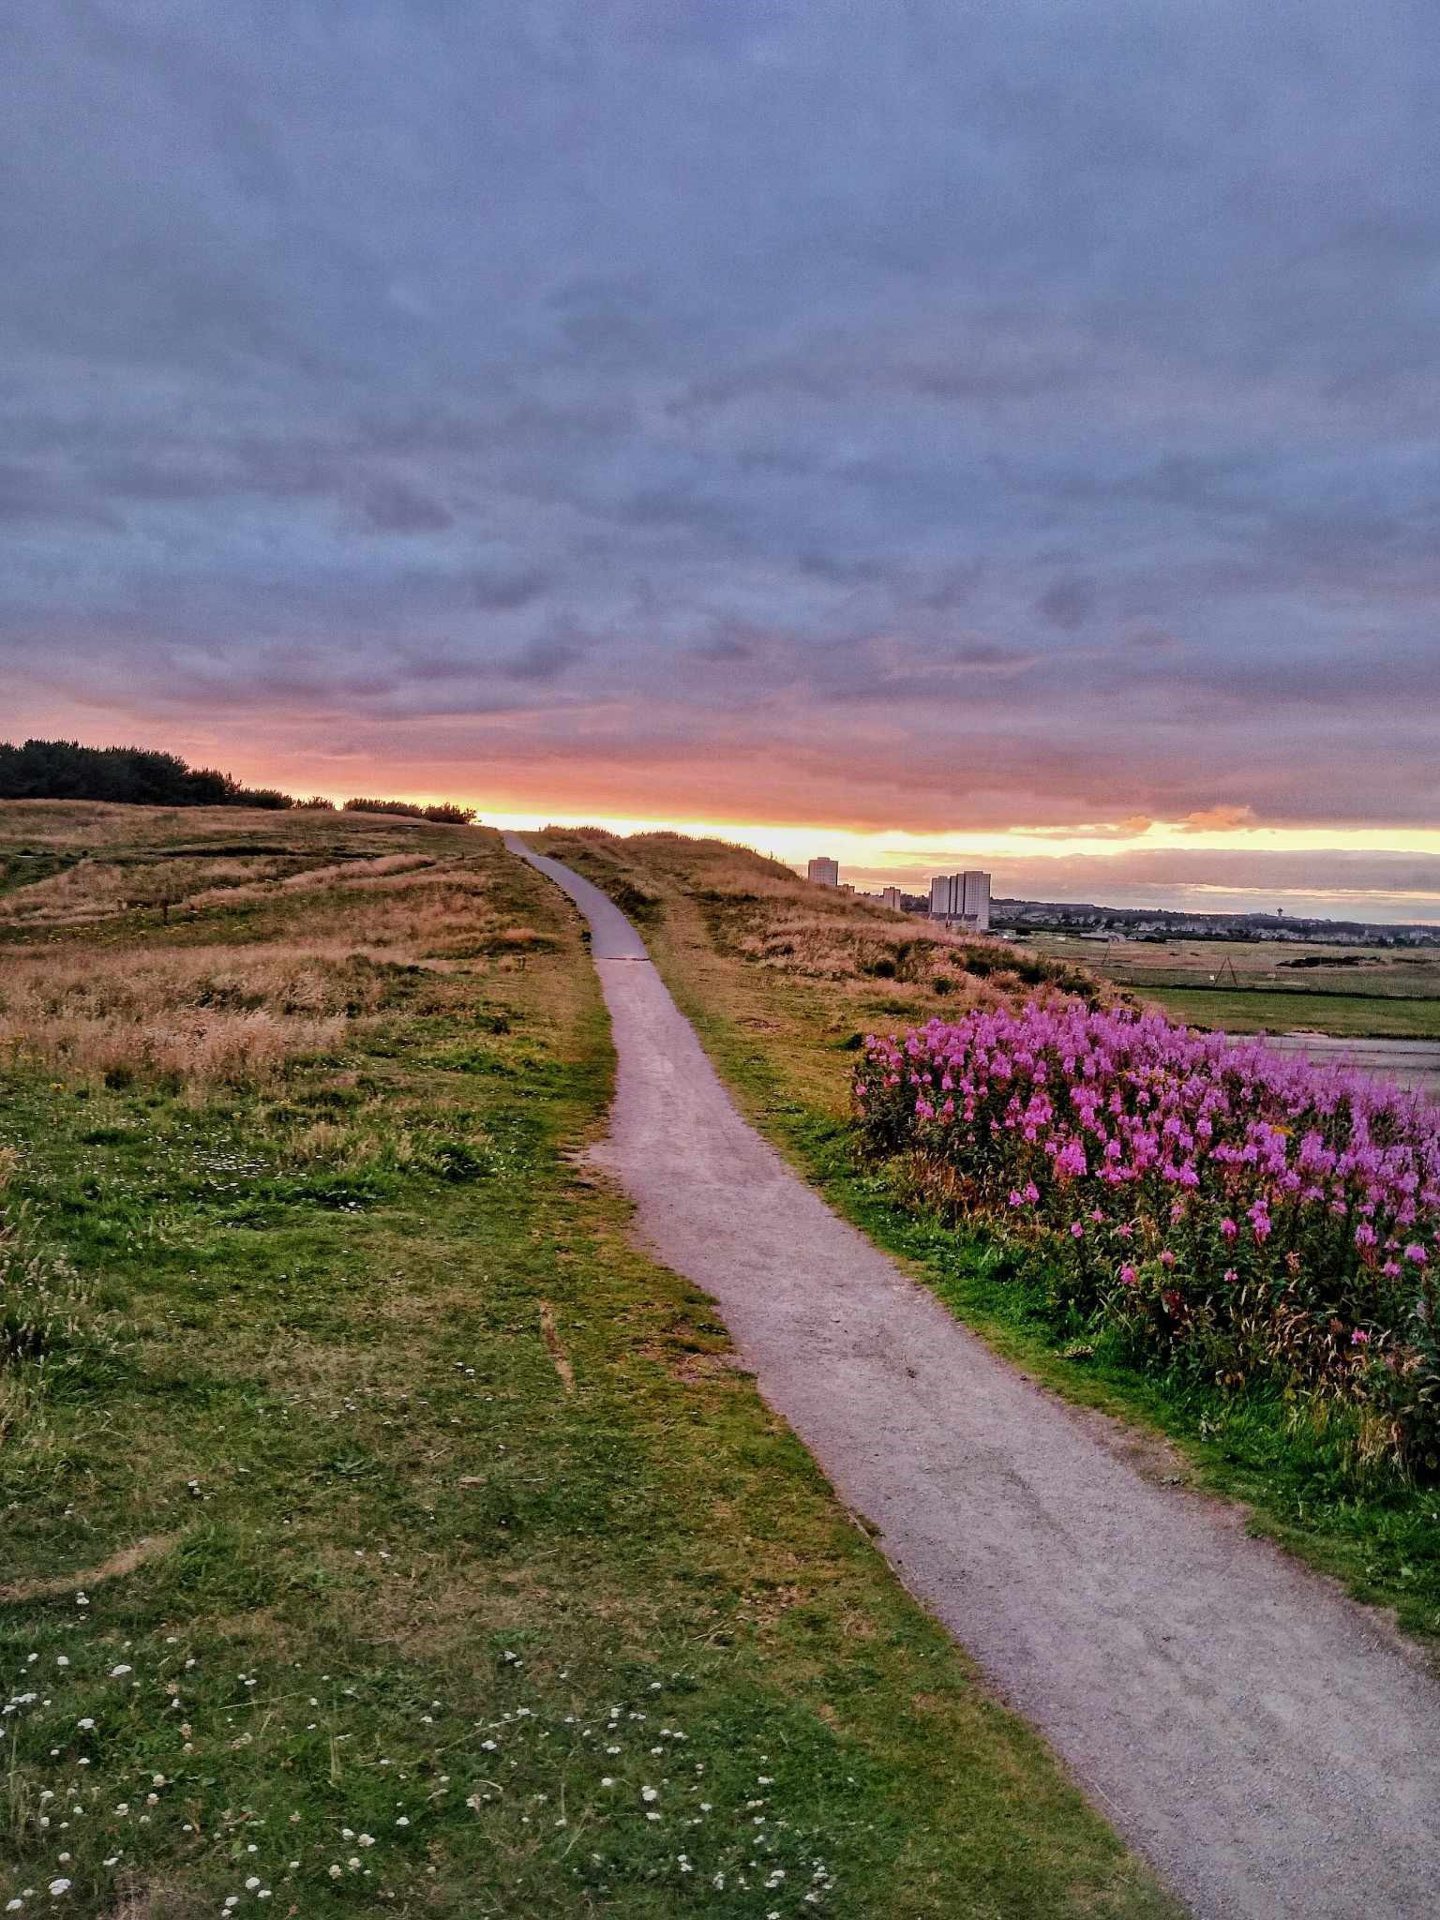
[1247, 1215]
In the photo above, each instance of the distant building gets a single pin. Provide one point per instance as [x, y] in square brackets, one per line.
[893, 898]
[824, 873]
[961, 900]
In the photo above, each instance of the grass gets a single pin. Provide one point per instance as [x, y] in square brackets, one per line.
[785, 1041]
[1282, 1010]
[385, 1534]
[1351, 992]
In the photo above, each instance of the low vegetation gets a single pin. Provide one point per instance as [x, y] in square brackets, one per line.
[757, 911]
[139, 776]
[385, 1534]
[1251, 986]
[1229, 1213]
[787, 1040]
[1347, 1016]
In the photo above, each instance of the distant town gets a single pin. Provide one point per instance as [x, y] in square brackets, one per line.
[960, 900]
[963, 901]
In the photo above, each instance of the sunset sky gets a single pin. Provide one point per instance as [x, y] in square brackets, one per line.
[918, 431]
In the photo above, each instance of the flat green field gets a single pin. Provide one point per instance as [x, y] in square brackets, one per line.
[1249, 986]
[1256, 1010]
[384, 1534]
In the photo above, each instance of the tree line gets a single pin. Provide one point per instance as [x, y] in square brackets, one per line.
[142, 776]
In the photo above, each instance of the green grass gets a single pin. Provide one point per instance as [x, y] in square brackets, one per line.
[1281, 1010]
[322, 1576]
[785, 1047]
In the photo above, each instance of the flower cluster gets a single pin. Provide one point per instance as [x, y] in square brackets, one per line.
[1263, 1218]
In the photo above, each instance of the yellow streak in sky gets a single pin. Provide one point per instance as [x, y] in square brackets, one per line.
[909, 852]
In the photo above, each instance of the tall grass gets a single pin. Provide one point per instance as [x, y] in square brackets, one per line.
[325, 951]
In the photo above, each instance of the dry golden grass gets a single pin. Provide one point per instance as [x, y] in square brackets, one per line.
[197, 1014]
[97, 889]
[66, 862]
[311, 879]
[97, 826]
[296, 929]
[757, 910]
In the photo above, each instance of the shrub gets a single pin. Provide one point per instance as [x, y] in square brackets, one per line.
[64, 770]
[444, 812]
[1231, 1209]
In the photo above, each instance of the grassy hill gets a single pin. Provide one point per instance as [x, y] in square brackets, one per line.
[385, 1535]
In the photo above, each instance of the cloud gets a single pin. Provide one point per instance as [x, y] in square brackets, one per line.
[506, 592]
[903, 418]
[1067, 604]
[391, 506]
[1218, 819]
[543, 660]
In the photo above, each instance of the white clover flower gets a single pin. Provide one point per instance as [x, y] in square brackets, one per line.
[118, 1673]
[649, 1793]
[57, 1887]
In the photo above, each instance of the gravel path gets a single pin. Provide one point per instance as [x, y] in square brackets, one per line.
[1270, 1747]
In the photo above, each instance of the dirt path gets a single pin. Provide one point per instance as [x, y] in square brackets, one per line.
[1270, 1748]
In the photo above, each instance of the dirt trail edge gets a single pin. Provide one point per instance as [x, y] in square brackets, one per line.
[1264, 1743]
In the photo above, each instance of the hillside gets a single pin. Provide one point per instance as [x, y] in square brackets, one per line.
[777, 953]
[384, 1533]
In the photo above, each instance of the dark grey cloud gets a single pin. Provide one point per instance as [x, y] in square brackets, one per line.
[1010, 412]
[393, 506]
[1067, 603]
[543, 660]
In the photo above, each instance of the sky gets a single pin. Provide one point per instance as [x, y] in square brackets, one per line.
[925, 430]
